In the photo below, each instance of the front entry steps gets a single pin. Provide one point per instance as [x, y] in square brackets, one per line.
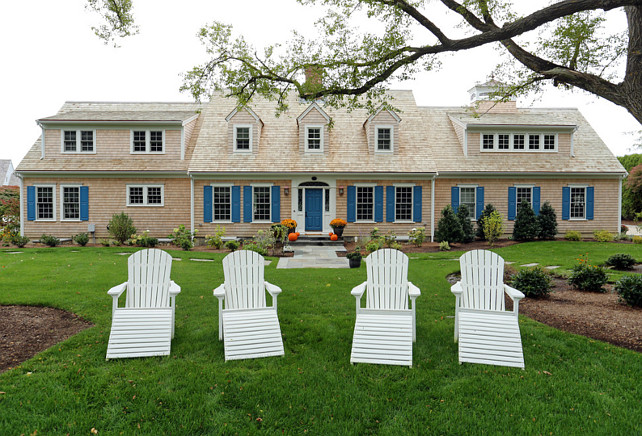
[317, 241]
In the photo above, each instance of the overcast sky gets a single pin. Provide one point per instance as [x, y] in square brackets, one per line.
[50, 55]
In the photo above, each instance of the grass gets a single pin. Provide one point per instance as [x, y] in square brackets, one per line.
[571, 384]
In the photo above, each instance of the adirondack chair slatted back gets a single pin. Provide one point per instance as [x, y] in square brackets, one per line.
[387, 274]
[482, 280]
[244, 280]
[148, 280]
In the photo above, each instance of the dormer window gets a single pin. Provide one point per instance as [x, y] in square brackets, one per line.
[526, 142]
[533, 142]
[147, 141]
[243, 137]
[383, 138]
[314, 139]
[78, 141]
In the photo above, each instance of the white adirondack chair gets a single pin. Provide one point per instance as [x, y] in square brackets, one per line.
[145, 326]
[385, 329]
[486, 332]
[249, 327]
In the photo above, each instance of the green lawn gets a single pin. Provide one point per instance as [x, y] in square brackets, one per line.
[571, 384]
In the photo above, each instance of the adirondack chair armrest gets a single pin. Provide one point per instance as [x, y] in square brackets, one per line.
[174, 289]
[116, 291]
[413, 291]
[220, 292]
[513, 293]
[274, 290]
[457, 289]
[358, 290]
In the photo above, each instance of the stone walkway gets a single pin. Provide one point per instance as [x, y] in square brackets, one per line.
[310, 256]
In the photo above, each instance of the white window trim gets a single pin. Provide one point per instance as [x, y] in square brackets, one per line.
[78, 141]
[412, 201]
[523, 186]
[321, 146]
[223, 185]
[569, 202]
[53, 193]
[147, 141]
[377, 127]
[262, 185]
[364, 185]
[475, 202]
[145, 195]
[62, 202]
[511, 145]
[234, 129]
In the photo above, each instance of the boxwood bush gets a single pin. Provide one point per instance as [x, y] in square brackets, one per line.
[629, 289]
[587, 277]
[533, 282]
[621, 261]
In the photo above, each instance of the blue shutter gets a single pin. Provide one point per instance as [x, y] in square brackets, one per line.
[207, 204]
[236, 204]
[84, 203]
[479, 202]
[276, 204]
[454, 198]
[416, 204]
[378, 199]
[512, 202]
[536, 192]
[247, 204]
[390, 204]
[590, 201]
[352, 204]
[31, 203]
[566, 203]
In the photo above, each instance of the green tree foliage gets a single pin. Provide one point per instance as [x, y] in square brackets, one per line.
[631, 201]
[493, 227]
[547, 219]
[449, 228]
[480, 221]
[9, 212]
[121, 227]
[526, 225]
[468, 233]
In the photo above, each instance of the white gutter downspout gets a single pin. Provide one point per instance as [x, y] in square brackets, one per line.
[465, 142]
[42, 140]
[182, 142]
[572, 141]
[619, 206]
[23, 198]
[191, 206]
[432, 208]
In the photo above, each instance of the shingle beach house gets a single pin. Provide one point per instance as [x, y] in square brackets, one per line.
[210, 164]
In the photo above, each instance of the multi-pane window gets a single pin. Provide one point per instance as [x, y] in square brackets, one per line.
[327, 200]
[313, 138]
[403, 203]
[503, 141]
[242, 138]
[78, 141]
[488, 141]
[518, 141]
[467, 197]
[549, 142]
[145, 195]
[261, 203]
[384, 138]
[147, 141]
[524, 193]
[70, 202]
[222, 203]
[365, 203]
[45, 202]
[533, 142]
[300, 200]
[578, 203]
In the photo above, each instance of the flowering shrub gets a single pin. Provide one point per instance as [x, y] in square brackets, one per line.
[289, 223]
[216, 240]
[603, 236]
[444, 246]
[637, 239]
[144, 240]
[587, 277]
[183, 238]
[417, 236]
[338, 222]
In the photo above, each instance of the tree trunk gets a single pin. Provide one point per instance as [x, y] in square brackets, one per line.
[631, 87]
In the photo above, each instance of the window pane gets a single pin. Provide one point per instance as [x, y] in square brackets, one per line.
[139, 140]
[242, 138]
[71, 202]
[86, 140]
[578, 202]
[327, 200]
[533, 142]
[70, 140]
[154, 195]
[135, 195]
[262, 203]
[549, 142]
[467, 197]
[403, 203]
[503, 141]
[488, 142]
[300, 200]
[384, 138]
[518, 142]
[365, 203]
[221, 201]
[524, 194]
[45, 202]
[156, 141]
[314, 138]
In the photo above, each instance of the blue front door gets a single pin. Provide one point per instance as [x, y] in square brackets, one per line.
[313, 210]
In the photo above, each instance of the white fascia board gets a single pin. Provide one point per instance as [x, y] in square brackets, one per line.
[249, 111]
[313, 105]
[391, 112]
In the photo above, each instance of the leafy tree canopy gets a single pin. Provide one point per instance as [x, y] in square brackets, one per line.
[565, 42]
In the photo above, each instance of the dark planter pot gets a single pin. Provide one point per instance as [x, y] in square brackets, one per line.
[291, 230]
[354, 263]
[338, 231]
